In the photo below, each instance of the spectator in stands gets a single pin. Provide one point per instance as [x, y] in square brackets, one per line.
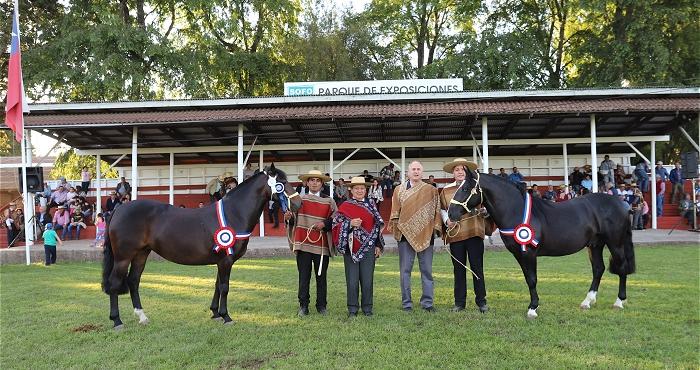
[230, 183]
[112, 203]
[248, 171]
[71, 197]
[502, 173]
[490, 171]
[182, 206]
[387, 177]
[19, 221]
[575, 178]
[606, 169]
[587, 183]
[61, 219]
[660, 170]
[641, 171]
[660, 192]
[516, 177]
[536, 191]
[273, 214]
[326, 188]
[77, 222]
[43, 218]
[431, 181]
[397, 179]
[302, 188]
[58, 197]
[550, 194]
[10, 226]
[100, 228]
[85, 178]
[214, 187]
[367, 176]
[123, 187]
[619, 175]
[676, 178]
[697, 189]
[685, 208]
[564, 194]
[45, 196]
[637, 204]
[200, 205]
[375, 193]
[87, 210]
[340, 192]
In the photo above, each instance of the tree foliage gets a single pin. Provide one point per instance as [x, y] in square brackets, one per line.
[70, 165]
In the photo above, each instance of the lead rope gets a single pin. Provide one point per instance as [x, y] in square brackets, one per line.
[307, 238]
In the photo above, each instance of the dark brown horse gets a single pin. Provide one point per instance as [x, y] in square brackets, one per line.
[187, 236]
[553, 229]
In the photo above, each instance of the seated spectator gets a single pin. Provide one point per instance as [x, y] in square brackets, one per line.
[431, 181]
[77, 222]
[71, 197]
[43, 218]
[375, 192]
[341, 191]
[123, 187]
[11, 227]
[367, 176]
[536, 191]
[516, 177]
[587, 184]
[58, 198]
[637, 204]
[61, 219]
[87, 210]
[575, 178]
[397, 178]
[112, 203]
[685, 208]
[502, 173]
[564, 194]
[550, 194]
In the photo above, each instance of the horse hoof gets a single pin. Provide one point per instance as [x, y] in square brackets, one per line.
[217, 318]
[119, 327]
[228, 322]
[585, 306]
[619, 304]
[144, 322]
[531, 314]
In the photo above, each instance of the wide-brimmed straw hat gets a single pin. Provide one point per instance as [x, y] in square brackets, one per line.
[314, 173]
[450, 166]
[357, 180]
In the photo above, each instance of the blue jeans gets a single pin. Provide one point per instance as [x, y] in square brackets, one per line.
[659, 205]
[70, 229]
[50, 252]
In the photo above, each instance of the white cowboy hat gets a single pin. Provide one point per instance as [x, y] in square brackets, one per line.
[314, 174]
[358, 180]
[450, 166]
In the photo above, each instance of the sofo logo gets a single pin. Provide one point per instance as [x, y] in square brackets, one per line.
[300, 90]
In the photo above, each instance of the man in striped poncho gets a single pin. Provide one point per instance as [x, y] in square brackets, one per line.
[311, 239]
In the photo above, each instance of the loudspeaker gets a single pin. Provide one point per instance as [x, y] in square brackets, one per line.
[689, 165]
[35, 179]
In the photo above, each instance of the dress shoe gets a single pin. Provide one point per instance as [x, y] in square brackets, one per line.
[484, 308]
[430, 309]
[323, 311]
[303, 311]
[457, 308]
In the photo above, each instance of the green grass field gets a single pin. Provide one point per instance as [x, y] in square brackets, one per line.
[57, 317]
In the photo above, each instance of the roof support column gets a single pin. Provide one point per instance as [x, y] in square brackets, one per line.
[27, 200]
[239, 148]
[267, 206]
[566, 164]
[652, 184]
[171, 182]
[594, 157]
[403, 164]
[475, 158]
[98, 190]
[331, 172]
[134, 164]
[485, 143]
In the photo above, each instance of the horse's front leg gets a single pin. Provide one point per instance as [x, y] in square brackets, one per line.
[215, 300]
[224, 267]
[114, 311]
[528, 263]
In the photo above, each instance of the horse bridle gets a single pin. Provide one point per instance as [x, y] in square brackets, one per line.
[476, 189]
[278, 188]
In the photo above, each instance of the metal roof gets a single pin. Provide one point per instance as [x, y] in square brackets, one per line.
[316, 120]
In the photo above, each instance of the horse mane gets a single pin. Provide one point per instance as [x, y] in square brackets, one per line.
[281, 175]
[519, 186]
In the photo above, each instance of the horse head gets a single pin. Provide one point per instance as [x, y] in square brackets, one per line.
[282, 191]
[467, 197]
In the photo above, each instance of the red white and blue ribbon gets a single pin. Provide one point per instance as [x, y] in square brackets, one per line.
[524, 234]
[225, 236]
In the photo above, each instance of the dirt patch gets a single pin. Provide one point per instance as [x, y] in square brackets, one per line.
[253, 363]
[85, 328]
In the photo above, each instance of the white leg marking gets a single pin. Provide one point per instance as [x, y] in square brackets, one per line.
[589, 300]
[531, 314]
[143, 320]
[619, 303]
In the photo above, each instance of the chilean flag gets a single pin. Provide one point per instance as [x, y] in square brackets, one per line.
[16, 101]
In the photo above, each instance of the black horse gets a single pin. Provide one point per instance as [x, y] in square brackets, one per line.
[553, 229]
[188, 237]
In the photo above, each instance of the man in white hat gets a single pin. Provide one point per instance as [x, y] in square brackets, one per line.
[415, 217]
[466, 238]
[311, 239]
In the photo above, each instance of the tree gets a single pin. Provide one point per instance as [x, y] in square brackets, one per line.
[9, 147]
[70, 165]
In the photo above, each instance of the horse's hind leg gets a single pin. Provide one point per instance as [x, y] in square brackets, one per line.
[116, 280]
[114, 311]
[622, 293]
[224, 266]
[133, 280]
[215, 300]
[595, 254]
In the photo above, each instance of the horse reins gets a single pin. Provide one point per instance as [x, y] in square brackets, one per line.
[476, 189]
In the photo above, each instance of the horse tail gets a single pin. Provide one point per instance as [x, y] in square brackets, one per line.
[108, 266]
[627, 265]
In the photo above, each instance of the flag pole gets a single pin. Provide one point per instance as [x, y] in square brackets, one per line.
[25, 196]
